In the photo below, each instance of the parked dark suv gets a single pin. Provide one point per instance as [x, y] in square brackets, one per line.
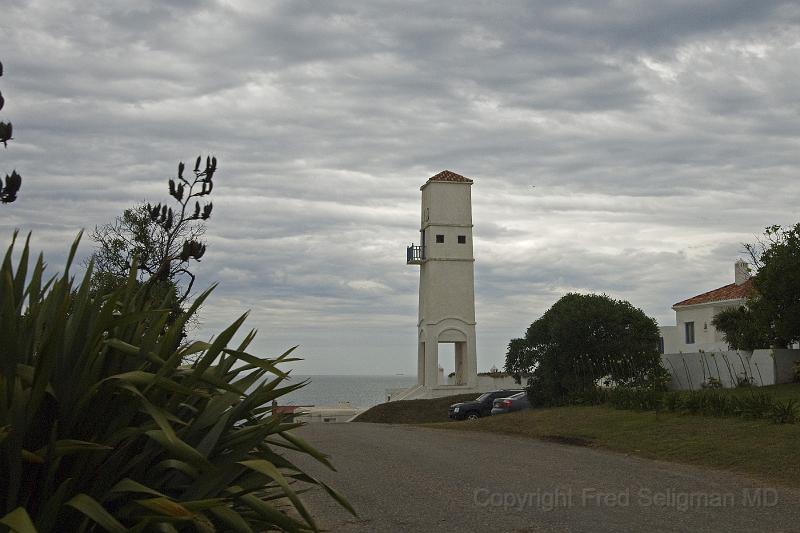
[480, 406]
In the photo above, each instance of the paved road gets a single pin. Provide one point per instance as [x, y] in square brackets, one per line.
[403, 478]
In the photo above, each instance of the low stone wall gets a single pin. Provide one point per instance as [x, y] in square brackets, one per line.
[784, 365]
[760, 367]
[326, 414]
[489, 382]
[397, 393]
[486, 383]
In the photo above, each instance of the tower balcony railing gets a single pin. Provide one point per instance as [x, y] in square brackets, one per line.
[415, 255]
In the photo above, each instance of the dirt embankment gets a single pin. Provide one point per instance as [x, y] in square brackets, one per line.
[412, 411]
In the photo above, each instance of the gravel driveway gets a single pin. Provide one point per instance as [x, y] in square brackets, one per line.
[404, 478]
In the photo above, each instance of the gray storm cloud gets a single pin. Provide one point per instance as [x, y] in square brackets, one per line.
[619, 147]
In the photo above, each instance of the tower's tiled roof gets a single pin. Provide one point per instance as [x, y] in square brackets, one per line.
[728, 292]
[446, 175]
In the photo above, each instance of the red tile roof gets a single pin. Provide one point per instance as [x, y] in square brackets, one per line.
[728, 292]
[446, 175]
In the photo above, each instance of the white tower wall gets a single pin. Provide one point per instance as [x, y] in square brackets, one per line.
[447, 284]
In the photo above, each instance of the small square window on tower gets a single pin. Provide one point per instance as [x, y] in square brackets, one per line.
[440, 238]
[462, 239]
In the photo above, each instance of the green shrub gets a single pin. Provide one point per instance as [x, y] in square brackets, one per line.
[755, 405]
[706, 402]
[786, 412]
[541, 393]
[635, 398]
[659, 379]
[588, 396]
[712, 383]
[671, 401]
[691, 402]
[621, 398]
[102, 428]
[715, 403]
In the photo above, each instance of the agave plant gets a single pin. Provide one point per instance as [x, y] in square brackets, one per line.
[103, 427]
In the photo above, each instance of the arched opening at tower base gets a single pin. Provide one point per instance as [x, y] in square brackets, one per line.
[452, 359]
[447, 362]
[437, 360]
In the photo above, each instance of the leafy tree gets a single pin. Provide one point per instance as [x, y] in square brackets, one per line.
[581, 340]
[772, 314]
[162, 240]
[130, 236]
[741, 328]
[517, 358]
[9, 188]
[776, 303]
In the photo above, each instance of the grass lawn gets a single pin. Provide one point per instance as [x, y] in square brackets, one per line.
[760, 448]
[765, 450]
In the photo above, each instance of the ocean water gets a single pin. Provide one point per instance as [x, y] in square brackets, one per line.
[360, 391]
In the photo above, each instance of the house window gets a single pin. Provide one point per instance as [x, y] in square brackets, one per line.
[689, 332]
[462, 239]
[440, 239]
[661, 345]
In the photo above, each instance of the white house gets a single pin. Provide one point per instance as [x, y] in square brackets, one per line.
[696, 355]
[694, 331]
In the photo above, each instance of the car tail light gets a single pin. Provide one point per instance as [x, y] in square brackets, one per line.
[506, 403]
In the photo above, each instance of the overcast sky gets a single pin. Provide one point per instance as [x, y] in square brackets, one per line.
[618, 147]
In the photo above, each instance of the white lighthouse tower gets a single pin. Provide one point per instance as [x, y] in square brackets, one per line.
[446, 285]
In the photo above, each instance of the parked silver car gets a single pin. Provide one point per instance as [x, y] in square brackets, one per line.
[516, 402]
